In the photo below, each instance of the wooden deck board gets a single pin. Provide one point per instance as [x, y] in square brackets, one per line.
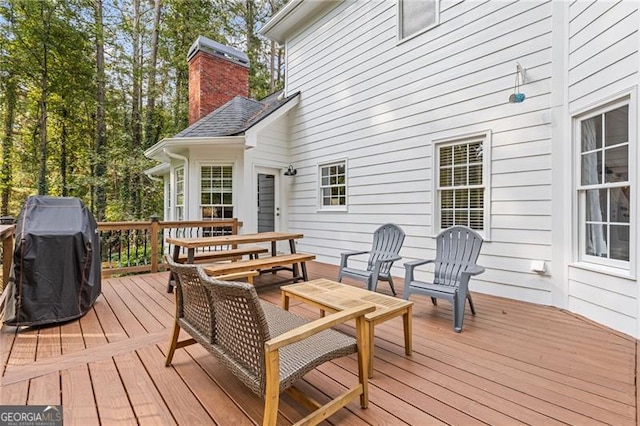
[208, 392]
[111, 396]
[183, 404]
[79, 405]
[514, 363]
[242, 397]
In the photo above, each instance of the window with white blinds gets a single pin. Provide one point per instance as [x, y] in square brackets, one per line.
[461, 184]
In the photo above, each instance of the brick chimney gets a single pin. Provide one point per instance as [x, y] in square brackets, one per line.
[217, 74]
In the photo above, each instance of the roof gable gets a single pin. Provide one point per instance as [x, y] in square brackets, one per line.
[235, 117]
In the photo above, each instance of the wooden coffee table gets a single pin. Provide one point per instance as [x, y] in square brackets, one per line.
[332, 296]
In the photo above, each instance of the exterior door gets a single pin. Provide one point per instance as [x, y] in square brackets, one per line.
[267, 209]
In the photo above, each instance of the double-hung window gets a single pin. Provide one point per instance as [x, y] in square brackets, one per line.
[461, 167]
[333, 186]
[179, 182]
[416, 16]
[604, 187]
[216, 192]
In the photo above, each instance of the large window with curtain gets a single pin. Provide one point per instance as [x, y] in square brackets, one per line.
[604, 187]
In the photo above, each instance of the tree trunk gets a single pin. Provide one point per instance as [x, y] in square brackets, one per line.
[42, 176]
[272, 60]
[44, 88]
[100, 169]
[6, 173]
[151, 127]
[63, 153]
[252, 42]
[136, 130]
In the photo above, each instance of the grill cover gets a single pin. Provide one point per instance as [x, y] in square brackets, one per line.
[55, 275]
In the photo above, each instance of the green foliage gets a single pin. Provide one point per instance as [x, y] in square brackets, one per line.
[48, 48]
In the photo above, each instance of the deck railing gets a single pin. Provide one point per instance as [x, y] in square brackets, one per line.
[132, 247]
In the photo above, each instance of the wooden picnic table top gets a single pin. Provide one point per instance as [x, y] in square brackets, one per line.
[220, 240]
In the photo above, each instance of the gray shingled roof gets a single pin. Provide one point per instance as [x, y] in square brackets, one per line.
[235, 117]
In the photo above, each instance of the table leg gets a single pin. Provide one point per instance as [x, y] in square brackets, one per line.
[176, 256]
[292, 249]
[273, 253]
[368, 326]
[191, 254]
[303, 266]
[407, 320]
[285, 301]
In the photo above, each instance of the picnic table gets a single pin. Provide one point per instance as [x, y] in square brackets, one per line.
[266, 264]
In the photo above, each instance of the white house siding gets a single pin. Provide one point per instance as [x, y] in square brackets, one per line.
[271, 152]
[603, 62]
[378, 104]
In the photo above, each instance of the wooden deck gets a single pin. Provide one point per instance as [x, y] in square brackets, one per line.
[514, 363]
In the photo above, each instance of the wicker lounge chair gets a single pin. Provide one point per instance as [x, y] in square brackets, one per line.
[266, 347]
[387, 242]
[457, 250]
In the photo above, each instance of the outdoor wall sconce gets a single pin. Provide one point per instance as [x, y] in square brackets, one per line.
[290, 171]
[517, 96]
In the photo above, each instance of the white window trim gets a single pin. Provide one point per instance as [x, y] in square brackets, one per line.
[202, 164]
[323, 208]
[581, 259]
[486, 136]
[175, 195]
[168, 201]
[400, 39]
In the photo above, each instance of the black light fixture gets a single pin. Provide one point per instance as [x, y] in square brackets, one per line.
[290, 171]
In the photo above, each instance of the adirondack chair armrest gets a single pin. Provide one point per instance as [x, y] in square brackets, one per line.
[353, 253]
[416, 263]
[466, 275]
[389, 258]
[474, 270]
[385, 259]
[410, 266]
[345, 256]
[304, 331]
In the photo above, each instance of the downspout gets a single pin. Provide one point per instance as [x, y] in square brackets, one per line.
[186, 179]
[155, 179]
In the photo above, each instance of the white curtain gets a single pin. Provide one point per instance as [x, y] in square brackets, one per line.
[596, 243]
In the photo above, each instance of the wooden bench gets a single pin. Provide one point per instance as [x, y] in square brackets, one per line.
[231, 254]
[264, 263]
[248, 275]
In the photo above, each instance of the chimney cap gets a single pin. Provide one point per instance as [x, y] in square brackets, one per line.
[213, 47]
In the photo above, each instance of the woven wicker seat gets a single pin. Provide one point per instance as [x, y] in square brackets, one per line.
[266, 347]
